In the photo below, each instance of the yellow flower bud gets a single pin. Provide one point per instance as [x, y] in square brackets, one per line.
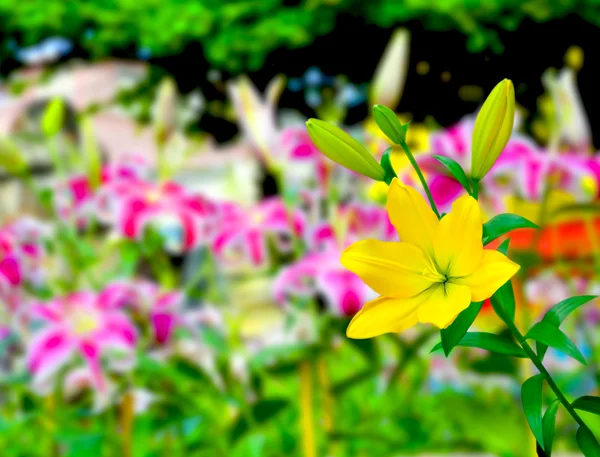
[493, 128]
[11, 158]
[340, 147]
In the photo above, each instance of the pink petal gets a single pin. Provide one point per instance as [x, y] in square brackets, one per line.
[9, 268]
[163, 324]
[48, 352]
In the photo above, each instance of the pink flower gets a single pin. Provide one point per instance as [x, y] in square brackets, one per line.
[242, 236]
[163, 308]
[185, 220]
[299, 148]
[363, 221]
[75, 198]
[82, 323]
[321, 277]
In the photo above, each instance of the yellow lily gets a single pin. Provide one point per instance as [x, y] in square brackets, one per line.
[434, 273]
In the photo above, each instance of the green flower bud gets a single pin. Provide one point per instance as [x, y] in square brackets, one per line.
[340, 147]
[164, 116]
[493, 128]
[53, 118]
[11, 158]
[389, 124]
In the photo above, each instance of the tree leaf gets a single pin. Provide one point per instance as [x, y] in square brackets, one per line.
[558, 313]
[502, 224]
[552, 336]
[587, 403]
[531, 398]
[489, 342]
[587, 442]
[452, 334]
[548, 422]
[455, 170]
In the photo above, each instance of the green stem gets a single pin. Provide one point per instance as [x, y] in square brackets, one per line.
[542, 369]
[414, 164]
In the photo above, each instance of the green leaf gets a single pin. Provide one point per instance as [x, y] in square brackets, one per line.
[587, 403]
[261, 412]
[389, 124]
[489, 342]
[452, 334]
[548, 422]
[386, 164]
[552, 336]
[503, 302]
[503, 248]
[531, 398]
[587, 442]
[502, 224]
[559, 312]
[455, 170]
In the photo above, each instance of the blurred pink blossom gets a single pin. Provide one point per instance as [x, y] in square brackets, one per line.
[82, 323]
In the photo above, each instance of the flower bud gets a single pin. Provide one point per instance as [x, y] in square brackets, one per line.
[389, 124]
[340, 147]
[11, 158]
[53, 118]
[493, 128]
[390, 75]
[165, 110]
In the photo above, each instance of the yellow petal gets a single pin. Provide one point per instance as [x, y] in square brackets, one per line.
[442, 303]
[384, 315]
[458, 246]
[494, 270]
[390, 268]
[414, 220]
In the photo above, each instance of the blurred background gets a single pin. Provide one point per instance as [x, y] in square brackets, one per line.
[170, 237]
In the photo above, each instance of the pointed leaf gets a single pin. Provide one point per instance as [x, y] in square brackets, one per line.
[502, 224]
[552, 336]
[548, 422]
[452, 334]
[455, 169]
[531, 397]
[503, 302]
[503, 248]
[558, 313]
[489, 342]
[587, 403]
[587, 442]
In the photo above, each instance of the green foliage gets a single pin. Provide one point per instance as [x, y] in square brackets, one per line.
[452, 335]
[587, 442]
[238, 35]
[587, 403]
[455, 169]
[489, 342]
[502, 224]
[531, 397]
[548, 422]
[552, 336]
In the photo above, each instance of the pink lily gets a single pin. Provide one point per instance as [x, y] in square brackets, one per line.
[322, 277]
[83, 323]
[241, 240]
[76, 199]
[186, 220]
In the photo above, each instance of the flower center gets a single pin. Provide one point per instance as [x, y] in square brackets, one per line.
[84, 322]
